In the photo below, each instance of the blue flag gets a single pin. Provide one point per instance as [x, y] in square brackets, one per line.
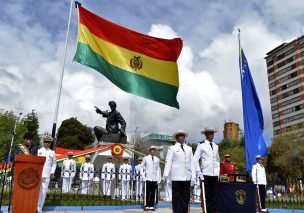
[253, 116]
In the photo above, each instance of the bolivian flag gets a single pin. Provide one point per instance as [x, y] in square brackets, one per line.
[136, 63]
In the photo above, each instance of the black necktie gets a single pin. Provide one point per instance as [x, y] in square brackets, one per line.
[182, 146]
[152, 158]
[211, 146]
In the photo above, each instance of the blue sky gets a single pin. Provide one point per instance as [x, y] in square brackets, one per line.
[32, 38]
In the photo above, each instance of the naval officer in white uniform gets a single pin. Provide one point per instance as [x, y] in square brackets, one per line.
[152, 177]
[259, 178]
[125, 172]
[207, 161]
[49, 168]
[180, 164]
[107, 176]
[68, 172]
[86, 175]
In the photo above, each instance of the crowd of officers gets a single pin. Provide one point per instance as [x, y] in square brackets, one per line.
[183, 169]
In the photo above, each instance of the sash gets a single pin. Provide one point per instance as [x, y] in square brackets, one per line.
[24, 149]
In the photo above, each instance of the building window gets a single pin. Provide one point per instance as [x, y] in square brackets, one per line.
[277, 123]
[270, 70]
[273, 92]
[276, 132]
[292, 109]
[284, 87]
[274, 107]
[288, 52]
[288, 60]
[293, 118]
[294, 74]
[271, 77]
[270, 62]
[283, 79]
[281, 64]
[276, 115]
[272, 84]
[291, 84]
[291, 101]
[279, 57]
[301, 45]
[281, 72]
[289, 93]
[274, 99]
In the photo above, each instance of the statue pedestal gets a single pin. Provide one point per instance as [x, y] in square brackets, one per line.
[113, 138]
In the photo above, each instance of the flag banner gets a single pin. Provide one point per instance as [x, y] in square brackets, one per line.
[136, 63]
[236, 197]
[253, 116]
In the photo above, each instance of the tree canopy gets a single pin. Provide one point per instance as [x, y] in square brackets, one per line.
[286, 157]
[72, 134]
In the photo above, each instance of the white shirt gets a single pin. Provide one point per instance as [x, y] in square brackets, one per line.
[86, 171]
[108, 171]
[258, 174]
[49, 166]
[208, 158]
[125, 172]
[68, 168]
[151, 168]
[139, 173]
[179, 163]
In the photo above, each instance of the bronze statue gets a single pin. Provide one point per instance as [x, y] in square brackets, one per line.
[114, 119]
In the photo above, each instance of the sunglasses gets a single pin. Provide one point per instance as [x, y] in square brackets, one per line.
[46, 142]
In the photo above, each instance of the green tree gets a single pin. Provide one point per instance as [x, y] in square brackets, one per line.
[286, 157]
[72, 134]
[7, 122]
[31, 123]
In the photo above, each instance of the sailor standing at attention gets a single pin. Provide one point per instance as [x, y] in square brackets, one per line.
[207, 154]
[150, 165]
[180, 165]
[86, 175]
[49, 168]
[68, 173]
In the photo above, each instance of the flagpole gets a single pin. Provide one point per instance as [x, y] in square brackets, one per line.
[240, 57]
[61, 76]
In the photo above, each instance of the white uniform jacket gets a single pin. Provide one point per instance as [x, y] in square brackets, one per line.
[207, 160]
[151, 168]
[49, 166]
[125, 172]
[139, 173]
[86, 171]
[68, 168]
[258, 174]
[108, 171]
[179, 163]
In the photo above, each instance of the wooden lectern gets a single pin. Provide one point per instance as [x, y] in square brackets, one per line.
[27, 181]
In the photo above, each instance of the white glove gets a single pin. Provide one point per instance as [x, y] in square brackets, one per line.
[201, 176]
[192, 182]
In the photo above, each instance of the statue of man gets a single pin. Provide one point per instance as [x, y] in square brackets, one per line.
[114, 118]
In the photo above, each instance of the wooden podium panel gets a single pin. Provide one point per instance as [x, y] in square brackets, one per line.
[27, 181]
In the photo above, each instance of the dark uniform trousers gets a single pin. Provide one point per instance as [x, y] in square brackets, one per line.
[150, 193]
[180, 196]
[211, 189]
[262, 192]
